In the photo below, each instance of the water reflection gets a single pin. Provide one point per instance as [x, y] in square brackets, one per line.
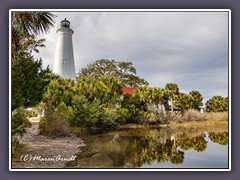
[197, 143]
[142, 147]
[220, 138]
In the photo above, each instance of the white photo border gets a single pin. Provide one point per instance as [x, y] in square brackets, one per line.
[125, 169]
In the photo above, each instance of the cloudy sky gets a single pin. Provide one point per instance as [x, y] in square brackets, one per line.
[187, 48]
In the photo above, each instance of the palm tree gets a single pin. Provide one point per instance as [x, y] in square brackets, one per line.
[158, 95]
[142, 93]
[217, 104]
[184, 101]
[87, 87]
[172, 90]
[197, 98]
[25, 24]
[108, 88]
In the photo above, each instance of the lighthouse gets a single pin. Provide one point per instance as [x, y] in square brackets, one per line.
[64, 59]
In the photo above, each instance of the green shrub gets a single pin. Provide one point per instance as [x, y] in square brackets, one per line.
[85, 113]
[112, 115]
[152, 117]
[19, 122]
[124, 115]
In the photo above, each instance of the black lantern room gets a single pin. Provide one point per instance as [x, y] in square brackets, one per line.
[65, 23]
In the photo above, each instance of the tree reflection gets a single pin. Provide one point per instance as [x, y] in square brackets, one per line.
[150, 149]
[145, 148]
[197, 143]
[220, 138]
[137, 151]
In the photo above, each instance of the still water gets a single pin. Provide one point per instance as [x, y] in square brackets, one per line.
[153, 148]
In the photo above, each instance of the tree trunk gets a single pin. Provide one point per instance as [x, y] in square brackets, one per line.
[172, 105]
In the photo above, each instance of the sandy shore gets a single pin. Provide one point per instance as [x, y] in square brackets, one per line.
[44, 152]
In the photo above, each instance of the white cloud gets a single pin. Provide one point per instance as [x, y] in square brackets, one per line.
[188, 48]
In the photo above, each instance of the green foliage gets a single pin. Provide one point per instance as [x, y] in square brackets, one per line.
[106, 89]
[108, 117]
[184, 101]
[92, 114]
[188, 101]
[31, 113]
[150, 117]
[19, 122]
[172, 88]
[96, 98]
[112, 115]
[152, 101]
[59, 90]
[125, 72]
[197, 98]
[96, 102]
[25, 27]
[134, 106]
[28, 82]
[109, 89]
[172, 91]
[18, 125]
[28, 77]
[85, 113]
[217, 104]
[32, 22]
[57, 106]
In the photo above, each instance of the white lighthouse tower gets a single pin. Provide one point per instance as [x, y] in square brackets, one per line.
[64, 60]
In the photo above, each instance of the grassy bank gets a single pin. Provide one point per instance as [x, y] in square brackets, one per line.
[189, 119]
[193, 128]
[194, 124]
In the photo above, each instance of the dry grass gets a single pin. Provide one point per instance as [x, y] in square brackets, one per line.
[209, 124]
[194, 115]
[193, 128]
[133, 126]
[216, 116]
[192, 122]
[198, 127]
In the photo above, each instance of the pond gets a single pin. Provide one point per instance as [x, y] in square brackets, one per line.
[153, 148]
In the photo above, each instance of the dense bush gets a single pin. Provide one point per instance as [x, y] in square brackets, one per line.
[112, 115]
[19, 123]
[217, 104]
[85, 113]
